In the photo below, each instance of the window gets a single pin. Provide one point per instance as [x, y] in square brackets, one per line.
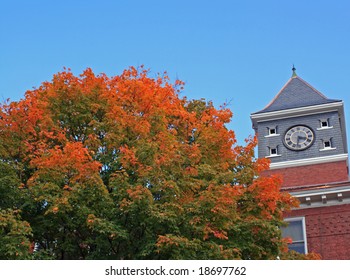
[273, 152]
[327, 145]
[297, 232]
[271, 131]
[324, 124]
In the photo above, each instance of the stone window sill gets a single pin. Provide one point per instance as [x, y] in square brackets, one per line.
[327, 149]
[323, 128]
[271, 156]
[272, 135]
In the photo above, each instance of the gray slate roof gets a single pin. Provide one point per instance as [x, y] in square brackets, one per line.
[295, 94]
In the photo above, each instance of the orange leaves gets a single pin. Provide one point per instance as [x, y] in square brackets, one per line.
[73, 161]
[269, 199]
[168, 240]
[288, 240]
[136, 197]
[191, 171]
[262, 164]
[226, 199]
[138, 193]
[220, 234]
[57, 156]
[67, 188]
[129, 158]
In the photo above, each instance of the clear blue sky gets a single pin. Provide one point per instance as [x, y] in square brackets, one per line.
[237, 51]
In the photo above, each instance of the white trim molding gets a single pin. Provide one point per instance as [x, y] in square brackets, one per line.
[308, 161]
[295, 112]
[272, 135]
[327, 149]
[274, 155]
[323, 197]
[324, 128]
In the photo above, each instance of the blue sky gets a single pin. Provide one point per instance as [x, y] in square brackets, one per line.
[233, 51]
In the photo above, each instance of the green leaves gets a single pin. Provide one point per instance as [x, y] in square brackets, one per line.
[15, 236]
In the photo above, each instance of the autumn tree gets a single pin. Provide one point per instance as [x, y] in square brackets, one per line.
[94, 167]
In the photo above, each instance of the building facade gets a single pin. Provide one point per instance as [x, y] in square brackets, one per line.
[303, 133]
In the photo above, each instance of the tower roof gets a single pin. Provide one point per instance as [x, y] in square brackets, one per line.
[296, 93]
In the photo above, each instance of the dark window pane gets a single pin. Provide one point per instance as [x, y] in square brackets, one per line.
[298, 247]
[294, 230]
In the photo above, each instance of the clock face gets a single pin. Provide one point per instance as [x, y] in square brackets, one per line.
[299, 138]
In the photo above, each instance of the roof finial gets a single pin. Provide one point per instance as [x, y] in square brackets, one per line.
[294, 73]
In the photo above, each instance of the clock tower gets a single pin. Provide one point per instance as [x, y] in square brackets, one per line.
[303, 133]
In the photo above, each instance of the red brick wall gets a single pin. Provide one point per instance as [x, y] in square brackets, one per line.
[322, 173]
[327, 230]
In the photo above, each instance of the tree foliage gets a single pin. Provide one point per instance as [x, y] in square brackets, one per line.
[94, 167]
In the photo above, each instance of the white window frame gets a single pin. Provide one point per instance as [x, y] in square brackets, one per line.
[303, 224]
[327, 126]
[330, 147]
[324, 122]
[272, 131]
[272, 134]
[274, 154]
[327, 144]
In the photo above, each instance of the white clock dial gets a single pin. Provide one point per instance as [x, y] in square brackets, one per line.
[299, 137]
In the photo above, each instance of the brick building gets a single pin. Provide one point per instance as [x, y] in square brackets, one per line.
[303, 133]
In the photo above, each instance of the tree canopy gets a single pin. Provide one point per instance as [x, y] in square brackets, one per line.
[97, 167]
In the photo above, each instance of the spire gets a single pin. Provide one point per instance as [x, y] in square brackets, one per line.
[294, 73]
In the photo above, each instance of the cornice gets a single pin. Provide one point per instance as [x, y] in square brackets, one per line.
[308, 161]
[322, 198]
[296, 112]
